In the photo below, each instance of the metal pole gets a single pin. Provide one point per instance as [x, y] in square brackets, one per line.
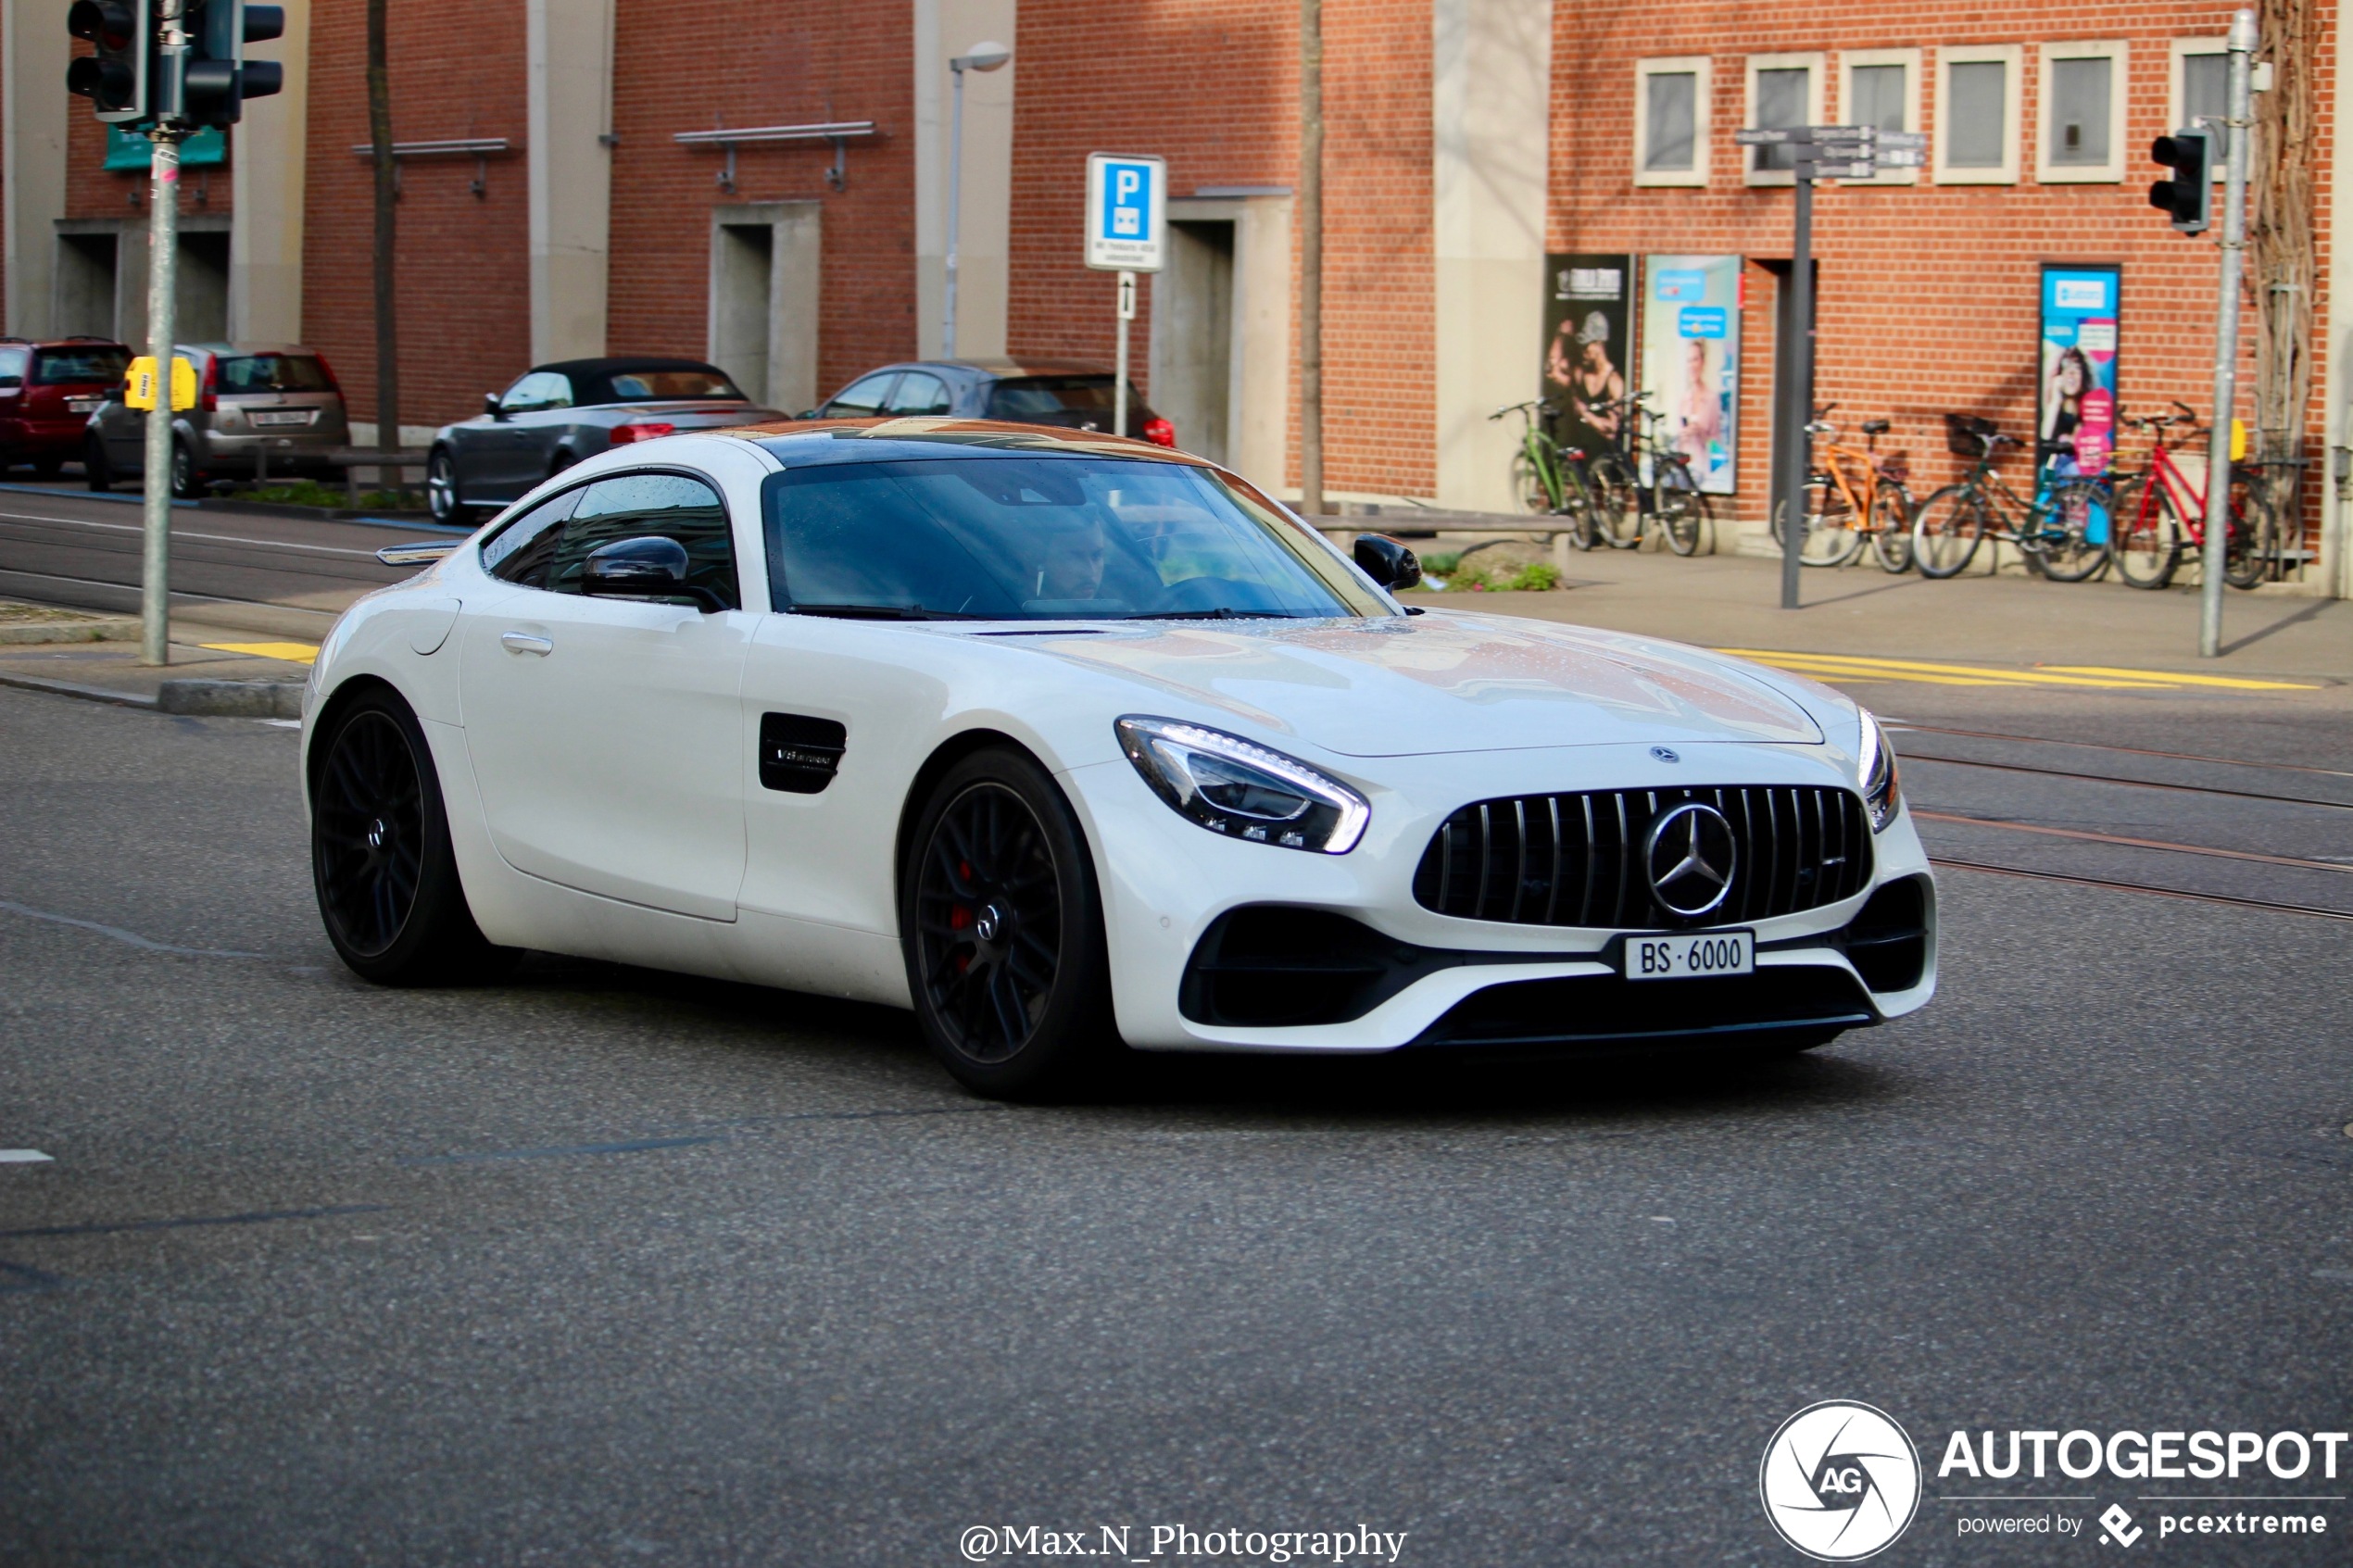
[1797, 399]
[1311, 257]
[2226, 344]
[1119, 390]
[956, 212]
[163, 255]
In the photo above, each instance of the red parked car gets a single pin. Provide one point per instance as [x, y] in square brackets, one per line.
[48, 390]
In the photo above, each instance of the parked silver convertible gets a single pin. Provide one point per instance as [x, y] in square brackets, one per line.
[555, 415]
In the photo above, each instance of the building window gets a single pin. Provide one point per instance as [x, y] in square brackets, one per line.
[2083, 130]
[1881, 87]
[2200, 90]
[1785, 93]
[1670, 121]
[1976, 138]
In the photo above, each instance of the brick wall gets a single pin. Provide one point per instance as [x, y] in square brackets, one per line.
[689, 65]
[462, 263]
[1929, 293]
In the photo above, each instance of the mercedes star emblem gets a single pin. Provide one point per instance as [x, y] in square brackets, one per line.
[1689, 856]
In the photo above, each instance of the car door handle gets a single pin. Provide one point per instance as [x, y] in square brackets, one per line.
[523, 642]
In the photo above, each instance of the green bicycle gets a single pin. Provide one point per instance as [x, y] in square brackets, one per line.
[1549, 478]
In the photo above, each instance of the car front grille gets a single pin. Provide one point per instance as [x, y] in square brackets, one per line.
[1576, 860]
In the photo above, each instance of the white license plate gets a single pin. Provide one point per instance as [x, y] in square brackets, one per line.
[84, 404]
[290, 417]
[1697, 956]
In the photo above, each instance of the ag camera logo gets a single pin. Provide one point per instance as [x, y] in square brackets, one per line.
[1839, 1481]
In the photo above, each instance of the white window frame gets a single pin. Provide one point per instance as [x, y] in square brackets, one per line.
[2011, 56]
[1910, 59]
[1816, 66]
[2119, 55]
[2177, 94]
[1702, 71]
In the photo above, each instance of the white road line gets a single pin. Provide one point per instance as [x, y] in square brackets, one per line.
[130, 938]
[186, 534]
[25, 1156]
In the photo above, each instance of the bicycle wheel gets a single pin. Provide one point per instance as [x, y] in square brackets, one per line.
[1617, 503]
[1681, 512]
[1892, 526]
[1945, 532]
[2148, 543]
[1833, 533]
[1530, 483]
[2254, 540]
[2075, 520]
[1577, 495]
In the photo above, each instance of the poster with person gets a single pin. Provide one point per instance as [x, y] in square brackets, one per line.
[1692, 360]
[1589, 307]
[2075, 405]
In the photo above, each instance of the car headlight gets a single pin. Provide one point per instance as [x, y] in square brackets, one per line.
[1881, 796]
[1244, 791]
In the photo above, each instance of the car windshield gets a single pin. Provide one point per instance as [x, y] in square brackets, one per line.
[98, 362]
[661, 386]
[1033, 397]
[273, 372]
[1043, 538]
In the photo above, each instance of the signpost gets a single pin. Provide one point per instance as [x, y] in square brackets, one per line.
[1823, 152]
[1127, 233]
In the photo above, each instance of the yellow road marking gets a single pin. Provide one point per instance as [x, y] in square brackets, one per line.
[2167, 675]
[1854, 666]
[291, 653]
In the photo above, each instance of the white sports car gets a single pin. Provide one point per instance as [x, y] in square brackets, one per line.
[1063, 741]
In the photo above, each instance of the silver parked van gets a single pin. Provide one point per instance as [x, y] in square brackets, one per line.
[253, 401]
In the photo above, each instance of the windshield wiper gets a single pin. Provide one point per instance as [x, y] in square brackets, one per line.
[1222, 613]
[877, 612]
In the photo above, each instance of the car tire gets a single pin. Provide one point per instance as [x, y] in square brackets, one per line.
[381, 861]
[187, 479]
[441, 490]
[1001, 924]
[97, 468]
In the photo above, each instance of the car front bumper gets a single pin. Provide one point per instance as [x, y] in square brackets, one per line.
[1166, 883]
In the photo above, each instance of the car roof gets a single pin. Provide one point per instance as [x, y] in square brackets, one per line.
[815, 443]
[999, 368]
[14, 342]
[620, 365]
[220, 348]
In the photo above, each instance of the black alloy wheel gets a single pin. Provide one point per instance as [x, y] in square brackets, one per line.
[1004, 930]
[186, 483]
[381, 858]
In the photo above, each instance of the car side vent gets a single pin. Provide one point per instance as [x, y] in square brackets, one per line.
[1576, 860]
[799, 755]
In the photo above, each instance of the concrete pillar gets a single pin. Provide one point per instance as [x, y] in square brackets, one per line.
[1490, 100]
[267, 178]
[944, 29]
[569, 43]
[33, 52]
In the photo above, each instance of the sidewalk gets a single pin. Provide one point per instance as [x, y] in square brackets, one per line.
[108, 668]
[1734, 601]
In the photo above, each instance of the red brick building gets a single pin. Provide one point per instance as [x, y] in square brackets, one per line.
[550, 207]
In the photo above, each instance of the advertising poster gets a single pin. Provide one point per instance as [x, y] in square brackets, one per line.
[1589, 344]
[2075, 408]
[1691, 357]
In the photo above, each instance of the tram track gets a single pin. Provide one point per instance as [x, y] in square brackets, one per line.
[2111, 885]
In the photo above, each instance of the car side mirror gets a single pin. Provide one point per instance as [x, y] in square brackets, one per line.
[646, 568]
[1387, 563]
[491, 406]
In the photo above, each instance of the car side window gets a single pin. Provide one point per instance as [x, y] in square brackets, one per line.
[541, 389]
[12, 365]
[863, 398]
[632, 505]
[920, 393]
[522, 551]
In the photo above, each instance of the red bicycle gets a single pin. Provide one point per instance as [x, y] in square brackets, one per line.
[2160, 507]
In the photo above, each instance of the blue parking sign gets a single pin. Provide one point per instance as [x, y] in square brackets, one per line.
[1127, 203]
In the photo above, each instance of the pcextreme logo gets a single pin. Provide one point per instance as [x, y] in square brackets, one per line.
[1839, 1481]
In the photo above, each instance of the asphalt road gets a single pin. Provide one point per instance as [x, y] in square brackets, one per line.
[604, 1267]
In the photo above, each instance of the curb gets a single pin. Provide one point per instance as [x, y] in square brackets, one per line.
[231, 699]
[34, 632]
[74, 689]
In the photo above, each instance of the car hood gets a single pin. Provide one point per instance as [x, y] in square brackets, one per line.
[1443, 683]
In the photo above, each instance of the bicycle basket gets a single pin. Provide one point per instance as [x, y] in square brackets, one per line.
[1965, 434]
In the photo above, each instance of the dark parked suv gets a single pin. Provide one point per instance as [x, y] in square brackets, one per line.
[48, 390]
[1032, 392]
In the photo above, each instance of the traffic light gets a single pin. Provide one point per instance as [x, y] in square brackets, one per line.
[115, 79]
[2189, 194]
[217, 78]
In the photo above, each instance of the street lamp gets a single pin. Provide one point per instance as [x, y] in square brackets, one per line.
[982, 57]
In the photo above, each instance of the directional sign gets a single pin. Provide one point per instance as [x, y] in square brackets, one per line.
[1127, 212]
[1857, 169]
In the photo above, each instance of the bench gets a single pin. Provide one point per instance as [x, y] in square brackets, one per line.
[353, 458]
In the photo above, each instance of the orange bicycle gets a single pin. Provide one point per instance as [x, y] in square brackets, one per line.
[1852, 493]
